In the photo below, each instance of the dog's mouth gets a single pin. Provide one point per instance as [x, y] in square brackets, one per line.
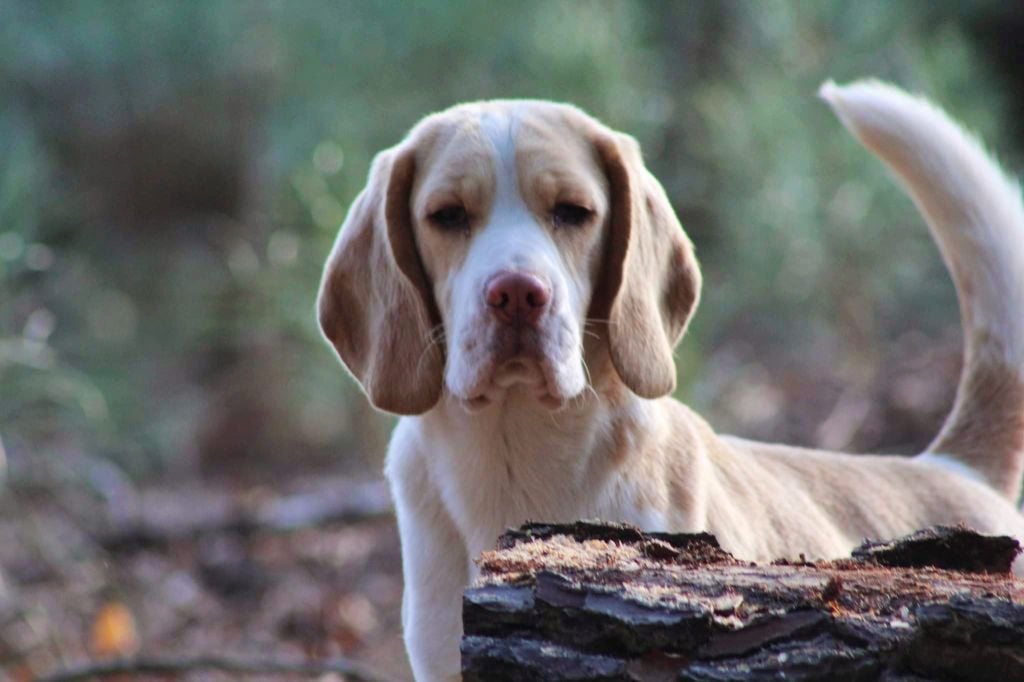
[520, 361]
[529, 365]
[534, 376]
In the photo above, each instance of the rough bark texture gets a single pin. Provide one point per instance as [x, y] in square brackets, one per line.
[590, 601]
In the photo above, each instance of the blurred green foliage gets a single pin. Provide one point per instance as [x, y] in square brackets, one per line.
[172, 175]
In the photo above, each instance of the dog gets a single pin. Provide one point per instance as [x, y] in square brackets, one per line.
[513, 281]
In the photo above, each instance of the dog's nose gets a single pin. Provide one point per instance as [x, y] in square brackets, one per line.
[517, 297]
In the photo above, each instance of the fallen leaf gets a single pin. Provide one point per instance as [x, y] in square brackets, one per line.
[113, 631]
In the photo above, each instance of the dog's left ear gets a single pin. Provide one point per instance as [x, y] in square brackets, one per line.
[650, 281]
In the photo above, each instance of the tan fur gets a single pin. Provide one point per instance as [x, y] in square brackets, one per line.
[620, 449]
[987, 419]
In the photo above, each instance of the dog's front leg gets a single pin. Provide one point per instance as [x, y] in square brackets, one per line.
[434, 567]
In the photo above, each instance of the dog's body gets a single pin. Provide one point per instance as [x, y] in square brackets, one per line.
[532, 238]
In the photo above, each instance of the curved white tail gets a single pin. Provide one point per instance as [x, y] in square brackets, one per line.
[976, 216]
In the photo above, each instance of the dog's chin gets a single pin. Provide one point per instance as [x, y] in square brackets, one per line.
[532, 378]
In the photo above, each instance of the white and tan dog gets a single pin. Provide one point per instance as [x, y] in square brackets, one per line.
[513, 281]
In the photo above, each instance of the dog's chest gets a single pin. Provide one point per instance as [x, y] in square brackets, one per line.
[501, 474]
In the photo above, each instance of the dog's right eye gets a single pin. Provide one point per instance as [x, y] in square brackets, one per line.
[450, 219]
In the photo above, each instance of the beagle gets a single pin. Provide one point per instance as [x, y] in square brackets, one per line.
[513, 281]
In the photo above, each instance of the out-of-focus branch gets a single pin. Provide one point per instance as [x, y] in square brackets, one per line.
[145, 665]
[345, 501]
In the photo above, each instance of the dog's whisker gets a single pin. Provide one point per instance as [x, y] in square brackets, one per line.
[437, 332]
[586, 370]
[435, 338]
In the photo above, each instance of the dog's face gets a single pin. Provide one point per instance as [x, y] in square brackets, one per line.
[495, 249]
[510, 218]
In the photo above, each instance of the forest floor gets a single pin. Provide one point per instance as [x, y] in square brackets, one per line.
[308, 570]
[306, 566]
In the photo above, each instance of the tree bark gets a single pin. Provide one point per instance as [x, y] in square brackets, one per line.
[589, 601]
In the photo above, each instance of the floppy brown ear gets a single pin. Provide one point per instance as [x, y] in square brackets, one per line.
[650, 282]
[375, 304]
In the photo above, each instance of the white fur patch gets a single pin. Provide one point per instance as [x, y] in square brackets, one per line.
[950, 464]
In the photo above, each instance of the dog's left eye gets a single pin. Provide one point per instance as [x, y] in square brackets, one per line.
[570, 215]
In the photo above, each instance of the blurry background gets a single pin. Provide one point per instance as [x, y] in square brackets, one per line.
[172, 175]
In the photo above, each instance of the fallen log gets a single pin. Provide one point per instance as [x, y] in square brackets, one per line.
[590, 601]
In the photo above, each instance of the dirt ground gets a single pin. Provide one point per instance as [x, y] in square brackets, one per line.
[198, 568]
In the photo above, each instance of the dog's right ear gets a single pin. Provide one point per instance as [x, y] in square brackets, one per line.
[375, 304]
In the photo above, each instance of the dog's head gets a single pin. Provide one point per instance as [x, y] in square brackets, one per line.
[499, 247]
